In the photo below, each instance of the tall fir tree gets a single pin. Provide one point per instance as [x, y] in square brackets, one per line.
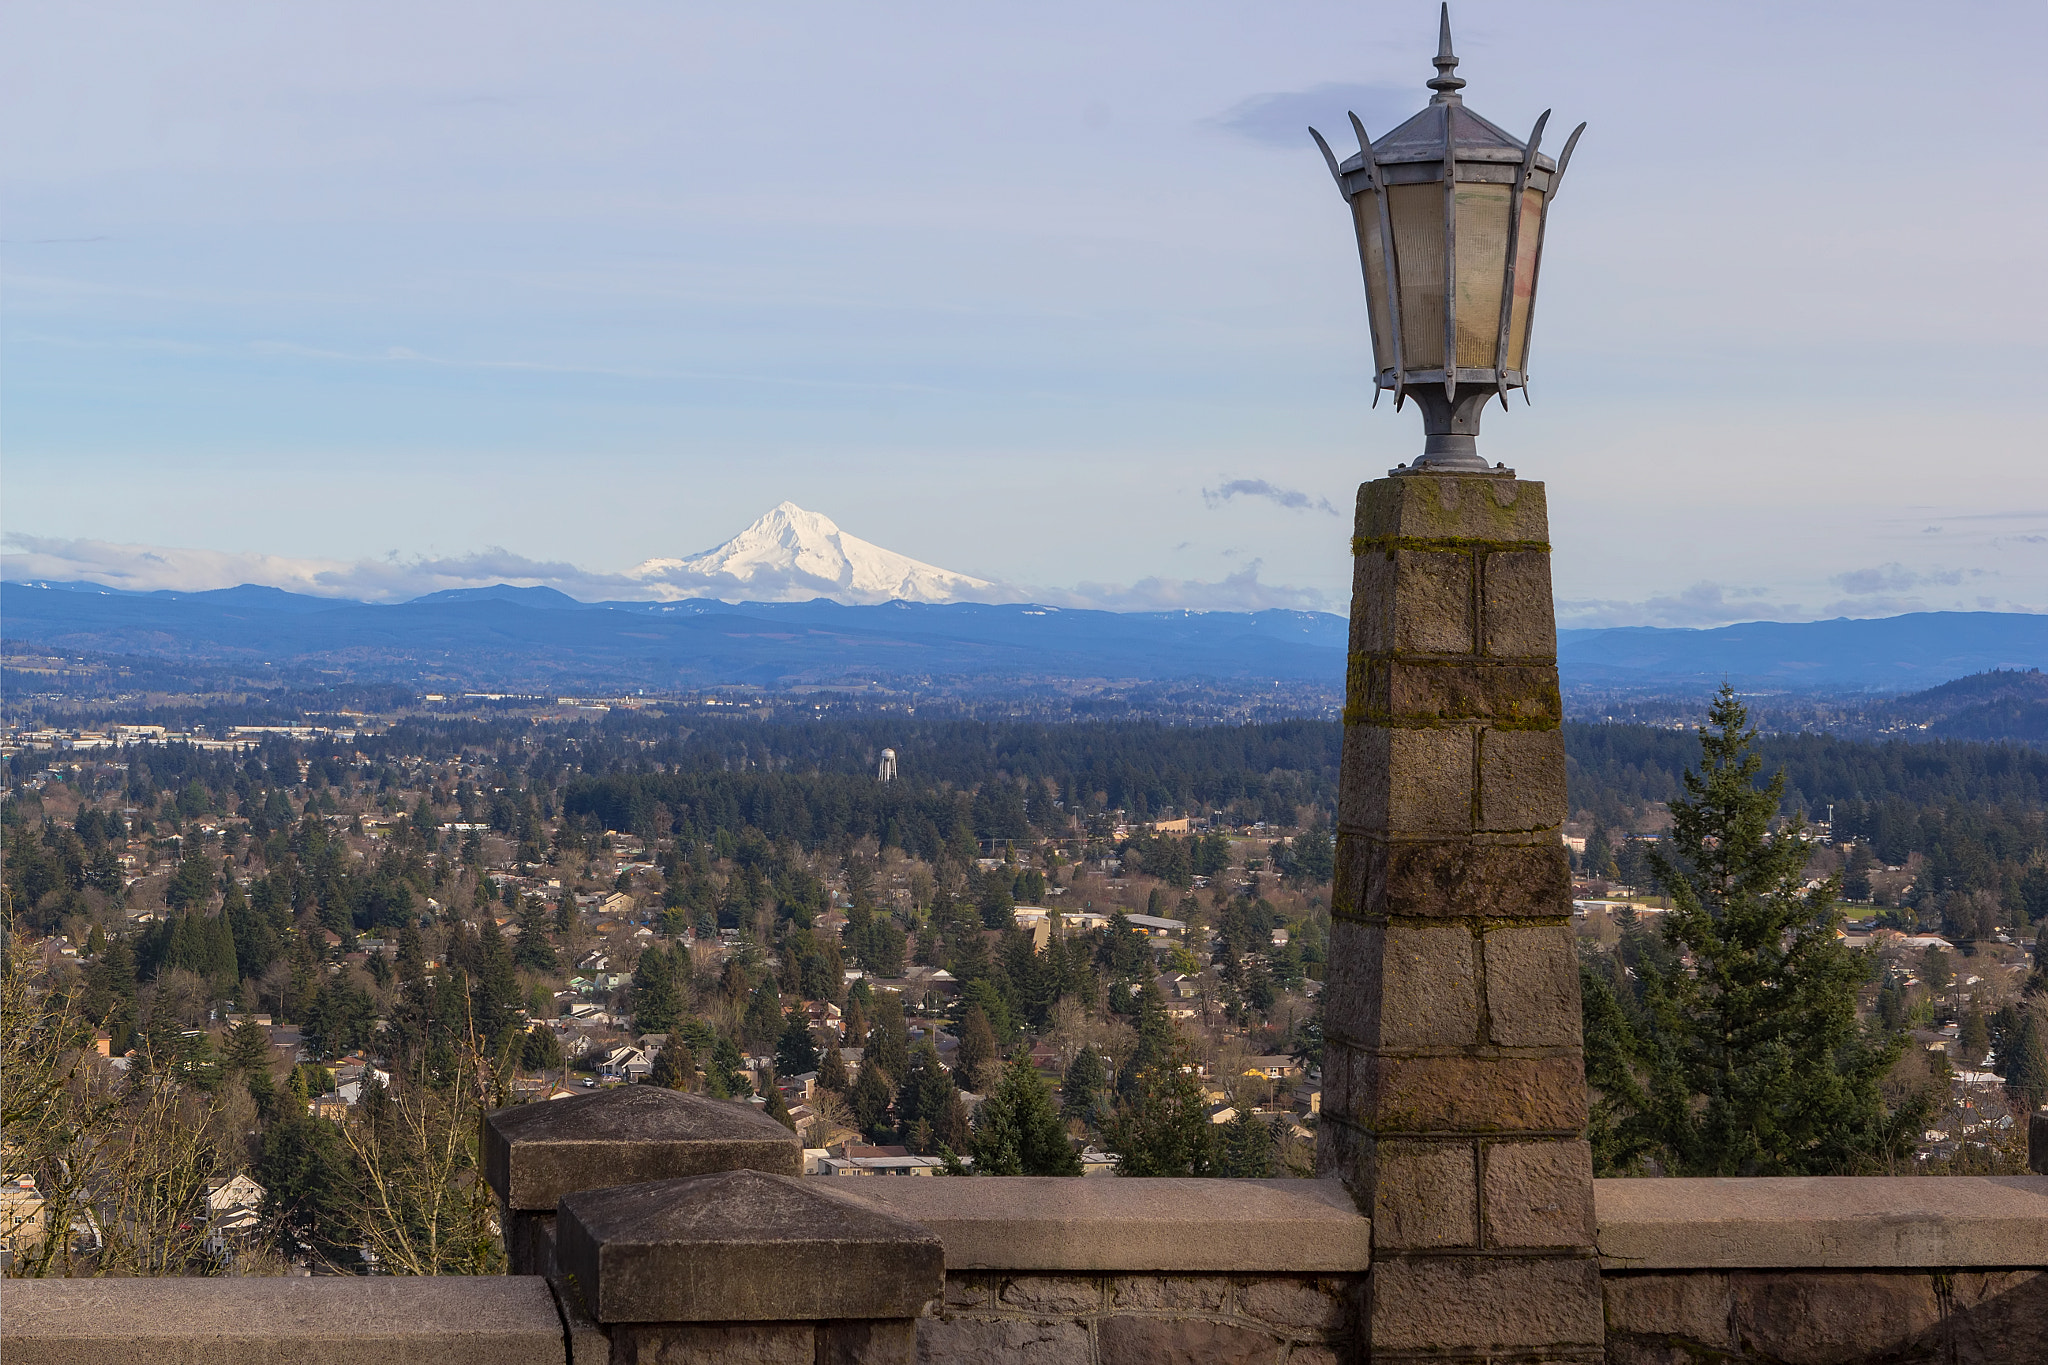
[1017, 1131]
[1739, 1052]
[1164, 1127]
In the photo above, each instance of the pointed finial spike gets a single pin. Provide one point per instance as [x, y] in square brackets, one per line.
[1364, 142]
[1444, 83]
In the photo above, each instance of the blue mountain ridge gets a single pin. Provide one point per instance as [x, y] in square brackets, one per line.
[502, 633]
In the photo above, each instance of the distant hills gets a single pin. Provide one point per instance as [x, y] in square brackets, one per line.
[508, 636]
[1890, 654]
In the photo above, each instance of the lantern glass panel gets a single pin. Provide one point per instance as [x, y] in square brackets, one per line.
[1525, 279]
[1418, 214]
[1373, 253]
[1483, 213]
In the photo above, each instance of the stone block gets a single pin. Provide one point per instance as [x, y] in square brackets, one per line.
[1054, 1226]
[1002, 1341]
[969, 1291]
[1405, 692]
[328, 1320]
[587, 1342]
[1815, 1222]
[1521, 780]
[1372, 604]
[715, 1343]
[1831, 1315]
[1518, 619]
[1169, 1293]
[536, 1153]
[1422, 879]
[1456, 1305]
[1424, 1195]
[1406, 781]
[1539, 1194]
[1052, 1295]
[1432, 606]
[873, 1341]
[1182, 1341]
[1481, 508]
[1532, 986]
[1403, 985]
[1989, 1311]
[1692, 1305]
[1342, 1152]
[1320, 1306]
[1470, 1094]
[741, 1246]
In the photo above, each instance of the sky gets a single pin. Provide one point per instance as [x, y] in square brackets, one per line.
[385, 298]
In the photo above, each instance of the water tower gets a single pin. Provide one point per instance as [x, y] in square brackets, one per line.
[888, 770]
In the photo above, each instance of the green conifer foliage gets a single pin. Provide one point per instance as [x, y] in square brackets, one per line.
[2026, 1079]
[1016, 1131]
[1165, 1129]
[795, 1053]
[1248, 1147]
[1748, 1060]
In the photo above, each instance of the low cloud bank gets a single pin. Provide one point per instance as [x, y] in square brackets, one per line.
[156, 568]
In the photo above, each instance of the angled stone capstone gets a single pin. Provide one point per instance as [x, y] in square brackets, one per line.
[742, 1246]
[536, 1153]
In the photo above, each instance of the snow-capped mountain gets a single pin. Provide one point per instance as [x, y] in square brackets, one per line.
[791, 555]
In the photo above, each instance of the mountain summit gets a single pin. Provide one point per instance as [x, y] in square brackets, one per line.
[791, 555]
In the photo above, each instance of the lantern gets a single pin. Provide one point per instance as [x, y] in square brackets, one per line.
[1450, 212]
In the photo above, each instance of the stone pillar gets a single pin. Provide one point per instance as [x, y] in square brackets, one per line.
[534, 1154]
[1454, 1092]
[742, 1268]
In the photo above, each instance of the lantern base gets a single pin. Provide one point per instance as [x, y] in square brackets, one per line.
[1450, 433]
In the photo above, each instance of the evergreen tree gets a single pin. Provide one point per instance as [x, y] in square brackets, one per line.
[1081, 1089]
[255, 940]
[763, 1023]
[795, 1053]
[869, 1100]
[248, 1048]
[496, 989]
[730, 1069]
[922, 1099]
[1165, 1129]
[977, 1046]
[309, 1184]
[1748, 1059]
[1975, 1038]
[1248, 1147]
[536, 952]
[2037, 979]
[888, 1043]
[2026, 1077]
[832, 1071]
[675, 1068]
[1016, 1131]
[657, 999]
[778, 1108]
[191, 886]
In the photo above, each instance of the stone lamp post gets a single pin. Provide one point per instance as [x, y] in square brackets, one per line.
[1450, 211]
[1454, 1103]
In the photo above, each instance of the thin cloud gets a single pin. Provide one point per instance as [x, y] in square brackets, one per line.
[1283, 118]
[1259, 488]
[1897, 578]
[1704, 604]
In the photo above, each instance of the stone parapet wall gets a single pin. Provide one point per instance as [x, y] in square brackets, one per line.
[1826, 1317]
[987, 1317]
